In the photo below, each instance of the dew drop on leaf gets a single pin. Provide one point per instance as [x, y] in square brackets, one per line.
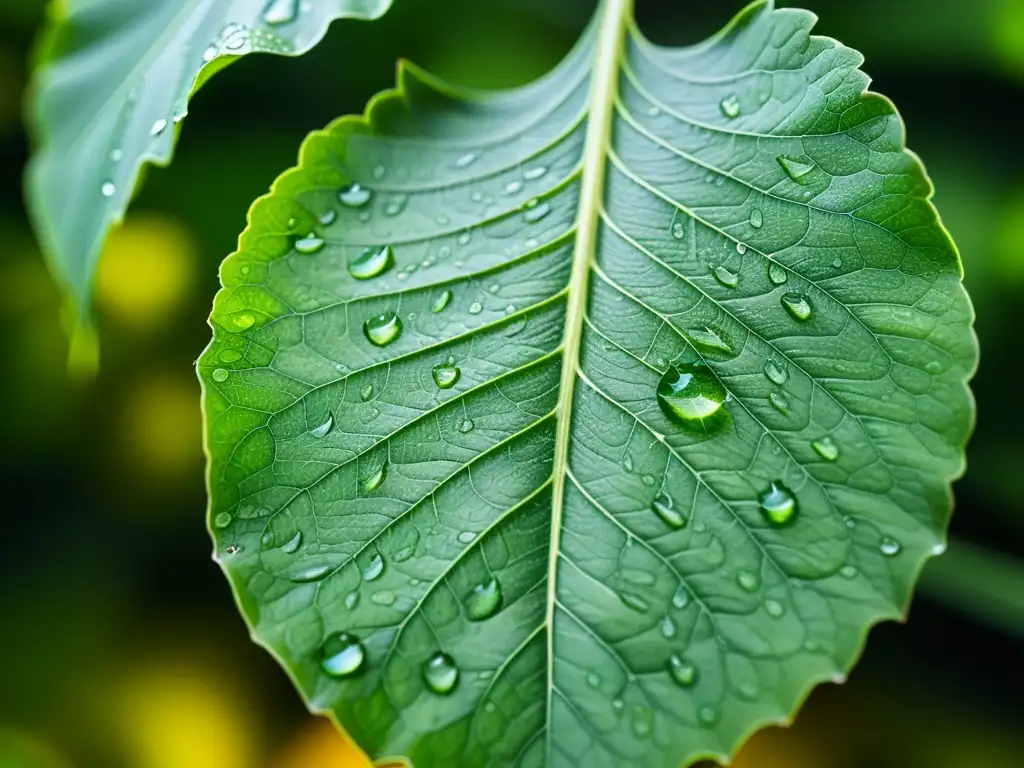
[466, 426]
[484, 600]
[777, 273]
[741, 248]
[642, 721]
[441, 302]
[798, 305]
[108, 189]
[374, 481]
[681, 598]
[749, 581]
[778, 504]
[222, 520]
[220, 375]
[446, 376]
[668, 627]
[708, 716]
[889, 546]
[709, 339]
[342, 655]
[309, 244]
[532, 174]
[291, 546]
[374, 568]
[440, 673]
[776, 372]
[663, 507]
[384, 598]
[327, 217]
[848, 572]
[535, 211]
[322, 429]
[313, 573]
[158, 127]
[466, 537]
[774, 608]
[594, 680]
[381, 330]
[726, 277]
[797, 170]
[677, 229]
[355, 196]
[366, 392]
[756, 218]
[464, 160]
[683, 671]
[731, 106]
[779, 402]
[476, 308]
[690, 393]
[634, 601]
[351, 600]
[372, 262]
[826, 448]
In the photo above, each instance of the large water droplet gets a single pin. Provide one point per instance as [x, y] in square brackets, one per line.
[309, 244]
[826, 448]
[731, 106]
[663, 507]
[778, 504]
[440, 673]
[342, 655]
[776, 372]
[380, 330]
[324, 427]
[642, 721]
[889, 546]
[797, 170]
[441, 302]
[726, 277]
[777, 273]
[634, 601]
[690, 393]
[355, 196]
[683, 672]
[484, 601]
[374, 568]
[798, 305]
[291, 546]
[756, 218]
[445, 375]
[535, 211]
[371, 263]
[372, 482]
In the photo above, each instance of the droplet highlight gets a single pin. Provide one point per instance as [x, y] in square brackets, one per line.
[446, 376]
[484, 600]
[440, 673]
[371, 263]
[355, 196]
[826, 448]
[663, 507]
[690, 393]
[798, 305]
[309, 244]
[683, 672]
[342, 655]
[322, 429]
[380, 330]
[778, 504]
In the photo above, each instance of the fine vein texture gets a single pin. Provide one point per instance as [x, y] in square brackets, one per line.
[594, 422]
[114, 81]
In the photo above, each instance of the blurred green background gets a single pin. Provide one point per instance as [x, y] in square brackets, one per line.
[119, 643]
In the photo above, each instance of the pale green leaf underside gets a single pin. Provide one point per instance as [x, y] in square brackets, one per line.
[561, 313]
[118, 80]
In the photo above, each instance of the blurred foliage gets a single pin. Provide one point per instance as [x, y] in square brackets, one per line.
[120, 647]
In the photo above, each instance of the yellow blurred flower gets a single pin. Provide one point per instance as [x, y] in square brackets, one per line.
[161, 424]
[320, 744]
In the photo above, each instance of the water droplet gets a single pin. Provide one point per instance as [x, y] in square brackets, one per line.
[513, 186]
[690, 393]
[441, 302]
[826, 448]
[535, 211]
[484, 601]
[938, 549]
[280, 12]
[372, 482]
[158, 127]
[327, 217]
[756, 218]
[220, 375]
[222, 520]
[798, 305]
[647, 480]
[440, 673]
[668, 627]
[848, 572]
[677, 228]
[748, 691]
[774, 608]
[355, 196]
[627, 463]
[532, 174]
[322, 429]
[634, 601]
[778, 504]
[466, 426]
[726, 277]
[681, 598]
[383, 598]
[708, 338]
[618, 705]
[731, 106]
[309, 244]
[663, 507]
[374, 568]
[210, 54]
[380, 330]
[642, 721]
[467, 159]
[683, 672]
[371, 263]
[708, 716]
[779, 402]
[797, 170]
[366, 392]
[889, 546]
[351, 600]
[466, 537]
[653, 111]
[593, 680]
[638, 577]
[313, 573]
[741, 248]
[777, 273]
[342, 655]
[751, 582]
[108, 189]
[116, 154]
[837, 263]
[776, 372]
[476, 308]
[404, 553]
[446, 376]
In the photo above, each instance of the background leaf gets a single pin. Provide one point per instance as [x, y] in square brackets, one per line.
[559, 426]
[114, 81]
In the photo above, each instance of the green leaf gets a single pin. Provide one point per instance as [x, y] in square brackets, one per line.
[114, 81]
[649, 413]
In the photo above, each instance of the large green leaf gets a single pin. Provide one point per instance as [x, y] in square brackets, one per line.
[115, 80]
[494, 537]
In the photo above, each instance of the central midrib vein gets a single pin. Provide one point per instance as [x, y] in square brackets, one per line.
[603, 89]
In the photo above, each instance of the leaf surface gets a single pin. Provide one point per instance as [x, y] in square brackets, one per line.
[114, 82]
[590, 423]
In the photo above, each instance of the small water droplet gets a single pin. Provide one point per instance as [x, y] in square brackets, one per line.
[108, 189]
[731, 106]
[466, 537]
[634, 601]
[677, 229]
[351, 600]
[668, 627]
[778, 504]
[848, 572]
[683, 671]
[366, 392]
[372, 262]
[627, 463]
[380, 330]
[441, 302]
[647, 480]
[463, 238]
[776, 372]
[291, 546]
[313, 573]
[663, 507]
[594, 680]
[798, 305]
[374, 568]
[690, 393]
[383, 598]
[342, 655]
[726, 277]
[440, 673]
[220, 375]
[709, 338]
[837, 263]
[355, 196]
[476, 308]
[327, 217]
[322, 429]
[466, 426]
[116, 154]
[708, 716]
[446, 376]
[309, 244]
[741, 248]
[749, 581]
[484, 601]
[618, 705]
[797, 170]
[532, 174]
[535, 211]
[681, 598]
[653, 111]
[756, 218]
[158, 127]
[513, 187]
[642, 721]
[222, 520]
[779, 402]
[467, 159]
[638, 577]
[826, 448]
[777, 273]
[889, 546]
[774, 608]
[372, 482]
